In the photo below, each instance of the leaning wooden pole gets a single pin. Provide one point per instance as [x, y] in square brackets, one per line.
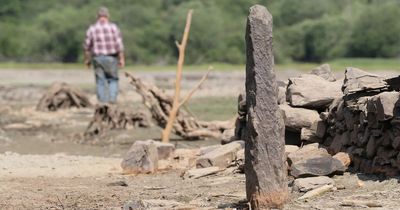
[175, 105]
[266, 185]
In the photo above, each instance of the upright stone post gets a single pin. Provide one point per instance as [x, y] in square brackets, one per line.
[266, 184]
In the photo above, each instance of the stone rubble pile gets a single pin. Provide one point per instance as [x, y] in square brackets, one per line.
[357, 118]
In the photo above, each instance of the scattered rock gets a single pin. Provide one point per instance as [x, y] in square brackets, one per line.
[165, 150]
[310, 183]
[118, 183]
[319, 166]
[151, 204]
[142, 157]
[201, 172]
[221, 156]
[325, 72]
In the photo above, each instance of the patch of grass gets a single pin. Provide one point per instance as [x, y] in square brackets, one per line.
[213, 108]
[368, 64]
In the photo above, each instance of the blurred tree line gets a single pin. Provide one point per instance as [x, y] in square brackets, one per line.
[307, 30]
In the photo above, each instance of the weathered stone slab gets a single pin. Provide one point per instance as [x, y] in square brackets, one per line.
[343, 157]
[297, 118]
[290, 149]
[221, 156]
[310, 183]
[383, 105]
[312, 91]
[142, 157]
[319, 166]
[201, 172]
[325, 72]
[309, 135]
[282, 95]
[266, 185]
[356, 80]
[307, 152]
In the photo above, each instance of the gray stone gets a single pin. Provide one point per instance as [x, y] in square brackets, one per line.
[297, 118]
[318, 166]
[266, 184]
[228, 136]
[307, 152]
[310, 183]
[319, 127]
[282, 95]
[201, 172]
[290, 149]
[356, 80]
[309, 135]
[165, 150]
[312, 91]
[221, 156]
[325, 72]
[142, 157]
[383, 105]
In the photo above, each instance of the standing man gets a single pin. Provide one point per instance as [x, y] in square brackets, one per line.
[105, 50]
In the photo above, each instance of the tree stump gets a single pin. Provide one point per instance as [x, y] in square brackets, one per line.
[107, 117]
[266, 185]
[62, 96]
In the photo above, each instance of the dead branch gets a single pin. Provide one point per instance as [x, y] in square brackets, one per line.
[185, 125]
[191, 92]
[175, 104]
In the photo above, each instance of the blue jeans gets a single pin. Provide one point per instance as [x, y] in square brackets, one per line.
[106, 72]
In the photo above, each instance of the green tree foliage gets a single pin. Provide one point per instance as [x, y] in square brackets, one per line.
[307, 30]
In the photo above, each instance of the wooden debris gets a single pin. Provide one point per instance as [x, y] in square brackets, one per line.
[185, 125]
[108, 117]
[62, 96]
[316, 192]
[358, 203]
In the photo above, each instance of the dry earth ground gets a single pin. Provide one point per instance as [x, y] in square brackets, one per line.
[46, 164]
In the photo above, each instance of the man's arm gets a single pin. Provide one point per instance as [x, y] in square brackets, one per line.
[87, 58]
[87, 45]
[121, 61]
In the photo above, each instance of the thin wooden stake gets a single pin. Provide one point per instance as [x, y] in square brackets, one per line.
[175, 105]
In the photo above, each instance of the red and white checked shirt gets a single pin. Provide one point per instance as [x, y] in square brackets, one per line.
[103, 38]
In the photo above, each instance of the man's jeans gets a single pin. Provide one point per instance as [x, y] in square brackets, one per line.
[106, 71]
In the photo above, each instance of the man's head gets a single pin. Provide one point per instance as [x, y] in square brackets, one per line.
[103, 13]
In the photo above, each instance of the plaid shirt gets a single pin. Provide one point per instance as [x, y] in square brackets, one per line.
[103, 39]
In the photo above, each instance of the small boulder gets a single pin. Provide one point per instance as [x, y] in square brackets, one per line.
[298, 118]
[142, 157]
[309, 135]
[307, 152]
[325, 72]
[312, 91]
[201, 172]
[343, 157]
[310, 183]
[165, 150]
[318, 166]
[221, 156]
